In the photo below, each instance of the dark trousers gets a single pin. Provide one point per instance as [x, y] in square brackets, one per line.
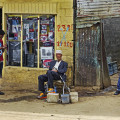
[118, 84]
[50, 76]
[1, 67]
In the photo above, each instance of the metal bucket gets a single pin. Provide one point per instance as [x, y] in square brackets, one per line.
[65, 98]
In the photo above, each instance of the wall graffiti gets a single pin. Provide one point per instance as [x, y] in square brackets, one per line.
[64, 29]
[65, 44]
[64, 35]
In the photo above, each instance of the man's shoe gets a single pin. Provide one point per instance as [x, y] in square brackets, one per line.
[42, 96]
[51, 90]
[117, 92]
[1, 93]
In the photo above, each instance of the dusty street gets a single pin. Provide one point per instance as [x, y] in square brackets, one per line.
[97, 107]
[36, 116]
[17, 105]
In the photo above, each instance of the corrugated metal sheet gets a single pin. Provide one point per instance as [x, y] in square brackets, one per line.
[91, 64]
[90, 12]
[87, 56]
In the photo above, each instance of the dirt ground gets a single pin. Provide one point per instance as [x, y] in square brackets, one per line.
[99, 104]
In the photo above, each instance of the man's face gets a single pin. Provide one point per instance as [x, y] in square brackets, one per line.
[1, 36]
[59, 56]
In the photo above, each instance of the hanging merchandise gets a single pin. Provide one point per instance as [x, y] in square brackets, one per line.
[30, 60]
[16, 55]
[45, 22]
[44, 32]
[31, 36]
[51, 36]
[47, 44]
[43, 38]
[51, 26]
[15, 26]
[26, 28]
[14, 51]
[30, 41]
[15, 36]
[44, 27]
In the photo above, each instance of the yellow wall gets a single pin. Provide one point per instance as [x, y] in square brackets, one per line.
[26, 78]
[63, 9]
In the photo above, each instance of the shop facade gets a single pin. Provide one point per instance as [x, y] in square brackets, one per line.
[34, 31]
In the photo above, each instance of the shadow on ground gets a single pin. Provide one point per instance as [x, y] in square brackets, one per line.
[30, 95]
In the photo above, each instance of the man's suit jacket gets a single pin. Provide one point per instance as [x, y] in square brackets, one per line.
[62, 69]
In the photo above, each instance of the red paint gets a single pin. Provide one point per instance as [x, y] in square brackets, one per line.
[58, 43]
[58, 28]
[71, 44]
[69, 27]
[65, 44]
[64, 27]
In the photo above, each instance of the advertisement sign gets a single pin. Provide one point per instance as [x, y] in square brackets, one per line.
[46, 53]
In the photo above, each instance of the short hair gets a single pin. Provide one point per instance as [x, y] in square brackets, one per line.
[2, 32]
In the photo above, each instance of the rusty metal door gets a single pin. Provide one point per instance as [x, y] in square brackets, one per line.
[87, 54]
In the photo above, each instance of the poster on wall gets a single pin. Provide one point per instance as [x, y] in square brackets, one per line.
[26, 28]
[16, 55]
[46, 53]
[16, 28]
[47, 44]
[51, 26]
[15, 36]
[45, 22]
[31, 35]
[44, 32]
[46, 63]
[51, 36]
[43, 38]
[44, 27]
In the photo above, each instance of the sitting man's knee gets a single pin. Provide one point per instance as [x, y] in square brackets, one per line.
[49, 72]
[40, 77]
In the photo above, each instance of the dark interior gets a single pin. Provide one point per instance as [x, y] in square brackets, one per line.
[0, 18]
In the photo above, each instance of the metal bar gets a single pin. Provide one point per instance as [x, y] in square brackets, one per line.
[38, 51]
[55, 42]
[21, 41]
[4, 41]
[74, 37]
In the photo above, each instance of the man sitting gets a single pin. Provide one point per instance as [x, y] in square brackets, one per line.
[56, 71]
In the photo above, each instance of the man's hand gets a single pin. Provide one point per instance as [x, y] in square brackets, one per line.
[55, 70]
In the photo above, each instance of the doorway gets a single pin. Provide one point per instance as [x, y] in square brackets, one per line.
[112, 42]
[88, 42]
[91, 66]
[0, 18]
